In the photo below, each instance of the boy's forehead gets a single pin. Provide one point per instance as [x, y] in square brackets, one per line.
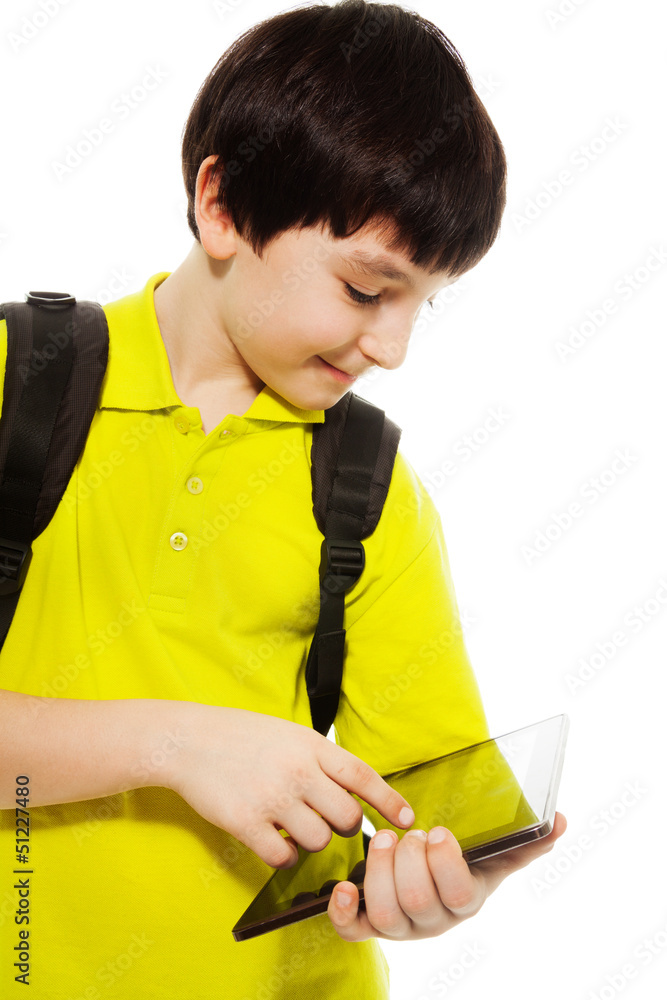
[377, 261]
[367, 252]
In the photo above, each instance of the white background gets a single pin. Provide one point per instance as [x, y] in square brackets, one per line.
[567, 925]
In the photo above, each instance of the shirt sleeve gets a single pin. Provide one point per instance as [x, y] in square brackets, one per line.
[409, 693]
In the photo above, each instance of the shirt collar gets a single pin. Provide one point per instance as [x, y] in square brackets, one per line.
[138, 375]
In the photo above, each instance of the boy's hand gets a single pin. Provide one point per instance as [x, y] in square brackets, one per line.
[254, 775]
[414, 889]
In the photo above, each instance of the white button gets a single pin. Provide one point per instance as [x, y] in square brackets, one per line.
[178, 540]
[224, 432]
[194, 484]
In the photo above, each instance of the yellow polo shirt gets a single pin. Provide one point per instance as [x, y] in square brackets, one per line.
[183, 565]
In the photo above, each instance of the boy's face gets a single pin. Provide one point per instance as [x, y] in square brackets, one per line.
[293, 322]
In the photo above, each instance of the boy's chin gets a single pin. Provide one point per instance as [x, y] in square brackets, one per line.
[315, 399]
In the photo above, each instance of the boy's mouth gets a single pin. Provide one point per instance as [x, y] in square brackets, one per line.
[337, 373]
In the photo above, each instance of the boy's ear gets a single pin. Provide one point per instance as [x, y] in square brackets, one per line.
[216, 229]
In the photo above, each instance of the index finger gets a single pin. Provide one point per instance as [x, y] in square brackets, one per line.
[357, 776]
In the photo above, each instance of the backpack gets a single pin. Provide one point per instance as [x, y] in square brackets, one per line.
[57, 352]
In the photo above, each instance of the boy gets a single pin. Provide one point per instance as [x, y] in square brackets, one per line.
[340, 171]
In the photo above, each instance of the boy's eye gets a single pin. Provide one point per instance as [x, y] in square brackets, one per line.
[357, 296]
[366, 300]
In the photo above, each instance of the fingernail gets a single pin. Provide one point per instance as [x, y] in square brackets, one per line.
[383, 840]
[406, 816]
[416, 833]
[436, 835]
[343, 898]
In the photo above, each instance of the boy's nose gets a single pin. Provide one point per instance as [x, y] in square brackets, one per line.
[384, 348]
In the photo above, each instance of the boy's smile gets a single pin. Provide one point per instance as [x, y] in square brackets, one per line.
[307, 319]
[345, 377]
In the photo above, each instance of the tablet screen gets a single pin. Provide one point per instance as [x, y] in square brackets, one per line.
[492, 796]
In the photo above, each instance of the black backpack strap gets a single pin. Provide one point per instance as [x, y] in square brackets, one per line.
[57, 353]
[353, 456]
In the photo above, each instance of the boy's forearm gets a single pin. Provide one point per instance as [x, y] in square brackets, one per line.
[73, 749]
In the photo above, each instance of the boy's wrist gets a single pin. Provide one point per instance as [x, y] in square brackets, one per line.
[167, 729]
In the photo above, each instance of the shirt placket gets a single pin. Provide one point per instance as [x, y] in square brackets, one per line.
[198, 458]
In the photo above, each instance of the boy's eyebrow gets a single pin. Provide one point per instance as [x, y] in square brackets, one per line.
[365, 262]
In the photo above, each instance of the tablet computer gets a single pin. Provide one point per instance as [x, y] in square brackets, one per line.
[493, 796]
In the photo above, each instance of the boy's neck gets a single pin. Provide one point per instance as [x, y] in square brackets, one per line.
[205, 365]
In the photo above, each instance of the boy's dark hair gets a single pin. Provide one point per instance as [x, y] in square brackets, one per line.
[342, 114]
